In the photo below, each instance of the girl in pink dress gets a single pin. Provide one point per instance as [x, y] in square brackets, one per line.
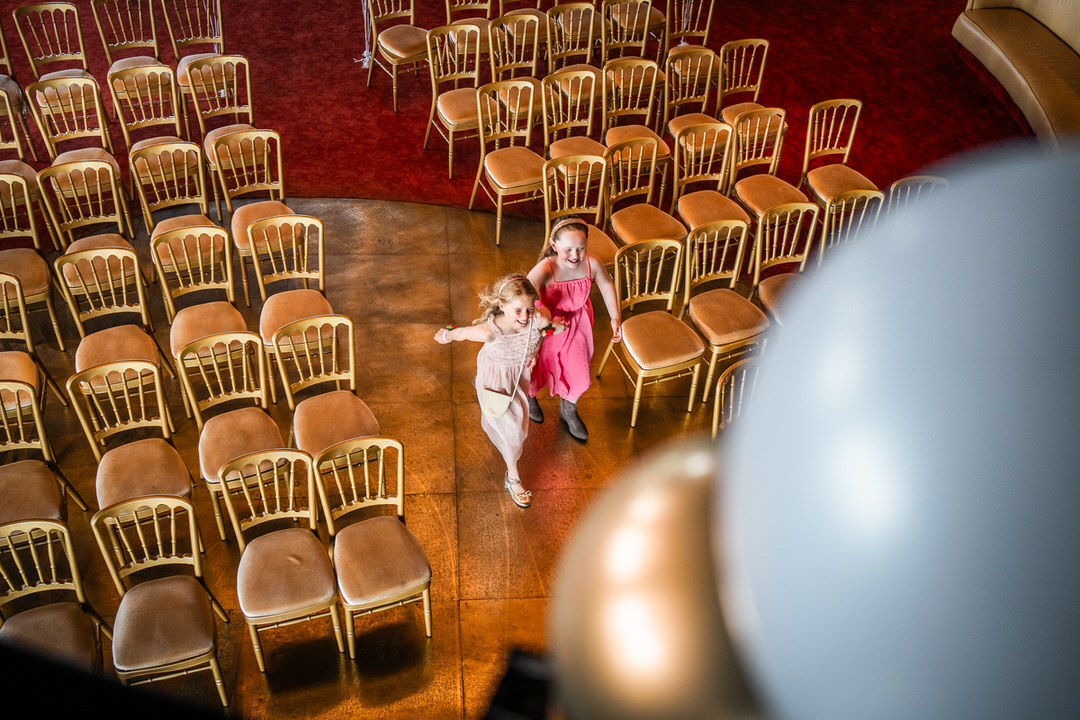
[511, 328]
[564, 277]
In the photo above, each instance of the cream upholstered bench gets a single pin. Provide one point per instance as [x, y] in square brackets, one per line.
[1033, 48]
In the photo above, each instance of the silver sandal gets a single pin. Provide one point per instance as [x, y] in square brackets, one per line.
[521, 499]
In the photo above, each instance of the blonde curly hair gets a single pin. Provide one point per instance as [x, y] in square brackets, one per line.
[503, 291]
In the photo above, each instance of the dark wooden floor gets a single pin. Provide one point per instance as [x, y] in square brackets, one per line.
[400, 271]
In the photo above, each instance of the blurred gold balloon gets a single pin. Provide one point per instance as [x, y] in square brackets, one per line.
[636, 630]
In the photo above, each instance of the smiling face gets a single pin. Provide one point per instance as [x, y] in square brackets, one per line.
[517, 311]
[570, 248]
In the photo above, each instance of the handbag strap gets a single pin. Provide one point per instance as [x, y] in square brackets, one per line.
[525, 350]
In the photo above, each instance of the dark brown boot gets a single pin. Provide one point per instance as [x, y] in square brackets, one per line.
[568, 414]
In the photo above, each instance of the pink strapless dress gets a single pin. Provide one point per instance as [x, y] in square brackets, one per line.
[564, 364]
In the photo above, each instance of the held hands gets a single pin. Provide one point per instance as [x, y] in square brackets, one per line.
[616, 329]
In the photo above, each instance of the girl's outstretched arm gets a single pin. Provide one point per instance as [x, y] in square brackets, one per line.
[607, 291]
[476, 333]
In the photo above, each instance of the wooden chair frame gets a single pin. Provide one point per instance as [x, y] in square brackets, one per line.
[453, 59]
[50, 33]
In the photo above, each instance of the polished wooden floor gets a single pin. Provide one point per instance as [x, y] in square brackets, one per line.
[401, 271]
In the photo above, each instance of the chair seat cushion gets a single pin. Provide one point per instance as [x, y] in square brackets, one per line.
[28, 489]
[731, 112]
[23, 170]
[287, 307]
[133, 62]
[513, 168]
[77, 274]
[642, 221]
[82, 154]
[18, 365]
[723, 317]
[252, 212]
[706, 206]
[59, 631]
[457, 108]
[828, 181]
[633, 132]
[235, 433]
[153, 166]
[123, 472]
[575, 145]
[377, 561]
[658, 339]
[162, 621]
[29, 267]
[602, 246]
[324, 420]
[758, 193]
[202, 320]
[772, 291]
[122, 342]
[181, 221]
[213, 135]
[283, 572]
[183, 67]
[684, 121]
[403, 41]
[482, 25]
[598, 79]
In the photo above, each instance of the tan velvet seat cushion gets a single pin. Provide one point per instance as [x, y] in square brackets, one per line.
[773, 290]
[679, 122]
[828, 181]
[59, 631]
[758, 193]
[75, 275]
[403, 41]
[379, 560]
[144, 467]
[235, 433]
[457, 108]
[658, 339]
[162, 621]
[731, 112]
[633, 132]
[181, 221]
[203, 320]
[575, 145]
[29, 267]
[28, 489]
[212, 136]
[122, 342]
[23, 170]
[706, 206]
[543, 26]
[284, 571]
[83, 154]
[642, 221]
[183, 67]
[536, 98]
[601, 245]
[246, 214]
[152, 166]
[723, 317]
[482, 25]
[322, 421]
[18, 365]
[598, 79]
[514, 168]
[286, 307]
[14, 93]
[133, 62]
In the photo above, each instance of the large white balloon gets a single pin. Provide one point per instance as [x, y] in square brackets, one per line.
[899, 531]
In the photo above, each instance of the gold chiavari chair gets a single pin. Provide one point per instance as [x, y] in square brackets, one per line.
[847, 216]
[168, 175]
[314, 351]
[68, 109]
[51, 35]
[128, 31]
[147, 104]
[576, 186]
[913, 189]
[402, 43]
[632, 169]
[742, 68]
[454, 66]
[571, 117]
[734, 393]
[784, 239]
[575, 34]
[195, 33]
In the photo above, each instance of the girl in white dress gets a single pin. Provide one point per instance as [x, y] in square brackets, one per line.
[511, 326]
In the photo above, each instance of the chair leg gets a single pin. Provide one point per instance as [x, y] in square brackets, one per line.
[68, 487]
[350, 633]
[637, 401]
[257, 646]
[393, 76]
[215, 501]
[708, 379]
[693, 387]
[244, 281]
[335, 619]
[56, 323]
[215, 670]
[427, 611]
[498, 220]
[450, 156]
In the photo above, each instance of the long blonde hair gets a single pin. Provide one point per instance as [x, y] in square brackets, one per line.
[569, 222]
[503, 291]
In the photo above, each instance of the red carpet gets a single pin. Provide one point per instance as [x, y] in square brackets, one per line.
[923, 102]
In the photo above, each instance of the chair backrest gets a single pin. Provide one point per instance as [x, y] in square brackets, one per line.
[453, 57]
[288, 247]
[575, 185]
[569, 104]
[830, 131]
[102, 281]
[506, 114]
[631, 171]
[117, 397]
[688, 21]
[630, 91]
[735, 390]
[847, 216]
[625, 27]
[168, 174]
[51, 34]
[127, 28]
[688, 72]
[576, 29]
[514, 46]
[913, 189]
[194, 25]
[6, 66]
[9, 127]
[270, 486]
[192, 259]
[714, 252]
[37, 559]
[456, 9]
[314, 351]
[67, 109]
[362, 473]
[17, 211]
[249, 161]
[702, 154]
[81, 194]
[648, 271]
[221, 87]
[22, 425]
[223, 368]
[382, 11]
[742, 67]
[146, 97]
[759, 138]
[785, 236]
[147, 533]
